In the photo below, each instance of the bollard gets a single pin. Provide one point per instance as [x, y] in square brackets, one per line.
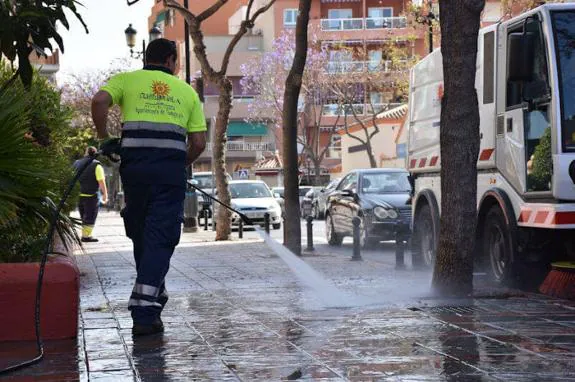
[310, 234]
[356, 221]
[399, 251]
[267, 222]
[241, 229]
[206, 214]
[191, 211]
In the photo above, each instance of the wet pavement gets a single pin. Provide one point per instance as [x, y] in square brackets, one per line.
[237, 313]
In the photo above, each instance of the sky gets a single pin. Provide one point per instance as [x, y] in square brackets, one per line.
[105, 42]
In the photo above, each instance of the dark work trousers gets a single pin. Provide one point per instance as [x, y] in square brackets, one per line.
[88, 208]
[153, 218]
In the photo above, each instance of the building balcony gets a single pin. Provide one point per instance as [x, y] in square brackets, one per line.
[334, 110]
[369, 23]
[341, 67]
[246, 146]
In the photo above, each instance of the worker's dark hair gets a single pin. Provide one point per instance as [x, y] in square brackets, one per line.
[91, 151]
[160, 50]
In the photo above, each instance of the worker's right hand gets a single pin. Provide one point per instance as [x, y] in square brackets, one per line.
[110, 147]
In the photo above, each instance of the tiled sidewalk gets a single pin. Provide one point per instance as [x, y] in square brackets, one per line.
[237, 312]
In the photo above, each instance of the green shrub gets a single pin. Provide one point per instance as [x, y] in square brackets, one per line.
[540, 178]
[33, 170]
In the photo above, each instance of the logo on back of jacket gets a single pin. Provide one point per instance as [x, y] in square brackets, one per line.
[158, 101]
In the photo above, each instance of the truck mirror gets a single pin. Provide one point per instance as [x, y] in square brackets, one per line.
[520, 56]
[536, 92]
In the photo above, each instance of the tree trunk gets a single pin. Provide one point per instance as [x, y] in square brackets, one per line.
[371, 156]
[292, 225]
[459, 134]
[223, 226]
[317, 168]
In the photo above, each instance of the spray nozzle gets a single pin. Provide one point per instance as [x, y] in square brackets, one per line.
[111, 148]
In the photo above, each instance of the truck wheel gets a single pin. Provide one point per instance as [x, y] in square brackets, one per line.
[332, 237]
[423, 240]
[497, 249]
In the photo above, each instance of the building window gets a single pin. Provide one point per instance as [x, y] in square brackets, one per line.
[290, 17]
[401, 150]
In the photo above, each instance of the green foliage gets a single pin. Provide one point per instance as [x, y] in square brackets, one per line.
[33, 168]
[28, 26]
[542, 164]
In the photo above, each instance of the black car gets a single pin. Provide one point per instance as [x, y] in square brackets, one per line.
[379, 197]
[308, 202]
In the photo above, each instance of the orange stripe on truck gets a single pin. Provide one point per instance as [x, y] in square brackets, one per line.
[541, 217]
[486, 154]
[434, 160]
[525, 215]
[564, 218]
[422, 162]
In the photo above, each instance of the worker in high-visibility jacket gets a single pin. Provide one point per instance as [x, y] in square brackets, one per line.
[163, 131]
[91, 179]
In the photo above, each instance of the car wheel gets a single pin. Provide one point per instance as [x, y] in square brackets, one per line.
[365, 241]
[497, 248]
[332, 237]
[277, 226]
[424, 243]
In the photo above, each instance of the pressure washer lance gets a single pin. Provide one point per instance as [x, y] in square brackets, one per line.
[246, 220]
[110, 149]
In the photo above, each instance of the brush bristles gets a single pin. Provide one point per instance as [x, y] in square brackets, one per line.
[560, 284]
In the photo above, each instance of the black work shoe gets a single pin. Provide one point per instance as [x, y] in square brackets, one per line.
[89, 239]
[146, 330]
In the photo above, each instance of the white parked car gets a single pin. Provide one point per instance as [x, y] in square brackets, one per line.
[254, 199]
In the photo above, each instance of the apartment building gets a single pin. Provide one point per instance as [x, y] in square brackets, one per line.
[47, 66]
[247, 142]
[358, 35]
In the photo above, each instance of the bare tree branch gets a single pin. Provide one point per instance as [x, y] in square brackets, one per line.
[246, 24]
[250, 5]
[211, 10]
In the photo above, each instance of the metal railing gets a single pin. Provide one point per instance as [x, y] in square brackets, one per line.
[339, 67]
[385, 22]
[342, 24]
[333, 110]
[377, 108]
[336, 109]
[246, 146]
[363, 23]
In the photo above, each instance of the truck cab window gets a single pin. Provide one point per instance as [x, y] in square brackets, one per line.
[564, 33]
[519, 91]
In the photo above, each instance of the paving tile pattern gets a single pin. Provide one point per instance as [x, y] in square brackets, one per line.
[237, 313]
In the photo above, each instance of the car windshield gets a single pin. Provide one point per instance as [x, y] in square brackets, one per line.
[564, 27]
[304, 190]
[332, 184]
[385, 182]
[249, 191]
[204, 181]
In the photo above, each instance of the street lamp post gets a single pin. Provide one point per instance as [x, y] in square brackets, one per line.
[131, 33]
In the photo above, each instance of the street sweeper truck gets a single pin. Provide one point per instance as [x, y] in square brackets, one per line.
[525, 82]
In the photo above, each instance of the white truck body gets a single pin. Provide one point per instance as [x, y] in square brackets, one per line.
[511, 126]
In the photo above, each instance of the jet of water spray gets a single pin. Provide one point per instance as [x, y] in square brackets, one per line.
[325, 291]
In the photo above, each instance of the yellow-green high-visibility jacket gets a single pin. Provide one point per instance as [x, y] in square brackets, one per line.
[158, 111]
